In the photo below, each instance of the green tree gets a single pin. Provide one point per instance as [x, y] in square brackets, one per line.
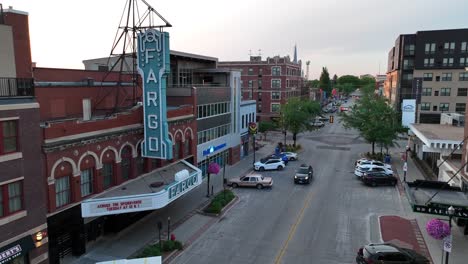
[296, 115]
[325, 80]
[351, 79]
[334, 81]
[346, 88]
[376, 121]
[368, 89]
[265, 126]
[367, 81]
[314, 83]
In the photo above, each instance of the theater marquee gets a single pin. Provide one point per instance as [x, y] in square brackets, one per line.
[154, 66]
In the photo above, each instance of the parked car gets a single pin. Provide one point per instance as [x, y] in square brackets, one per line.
[365, 161]
[361, 169]
[269, 164]
[290, 155]
[378, 178]
[388, 253]
[317, 123]
[280, 156]
[304, 174]
[322, 118]
[252, 180]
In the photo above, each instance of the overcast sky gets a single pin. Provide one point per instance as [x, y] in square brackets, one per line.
[347, 36]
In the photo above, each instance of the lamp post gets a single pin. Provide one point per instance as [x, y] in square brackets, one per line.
[168, 227]
[285, 133]
[451, 212]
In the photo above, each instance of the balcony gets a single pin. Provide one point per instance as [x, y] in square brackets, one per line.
[14, 87]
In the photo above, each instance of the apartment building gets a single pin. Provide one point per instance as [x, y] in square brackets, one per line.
[270, 82]
[23, 199]
[430, 66]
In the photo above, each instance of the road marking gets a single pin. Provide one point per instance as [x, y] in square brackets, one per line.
[292, 231]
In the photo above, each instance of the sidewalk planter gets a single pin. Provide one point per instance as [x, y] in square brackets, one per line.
[219, 203]
[168, 247]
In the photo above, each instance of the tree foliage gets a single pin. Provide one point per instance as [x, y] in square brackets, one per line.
[346, 88]
[375, 120]
[367, 81]
[265, 126]
[296, 115]
[313, 83]
[350, 79]
[325, 80]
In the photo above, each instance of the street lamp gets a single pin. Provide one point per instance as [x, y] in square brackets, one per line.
[451, 212]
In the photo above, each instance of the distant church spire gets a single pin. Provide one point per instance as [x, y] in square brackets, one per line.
[295, 54]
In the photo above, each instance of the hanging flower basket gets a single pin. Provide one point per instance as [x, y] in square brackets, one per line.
[214, 168]
[437, 229]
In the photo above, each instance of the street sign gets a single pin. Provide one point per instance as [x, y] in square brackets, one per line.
[405, 167]
[448, 243]
[252, 128]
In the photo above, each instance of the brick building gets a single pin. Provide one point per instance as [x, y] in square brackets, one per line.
[270, 82]
[23, 209]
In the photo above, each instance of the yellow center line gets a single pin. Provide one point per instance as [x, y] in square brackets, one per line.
[292, 231]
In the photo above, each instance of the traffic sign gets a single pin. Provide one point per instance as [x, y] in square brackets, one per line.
[448, 243]
[252, 128]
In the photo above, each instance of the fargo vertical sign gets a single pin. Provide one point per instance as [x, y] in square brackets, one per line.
[154, 66]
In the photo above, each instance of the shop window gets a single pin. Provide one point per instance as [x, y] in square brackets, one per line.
[8, 137]
[62, 191]
[126, 163]
[187, 146]
[108, 174]
[86, 182]
[11, 198]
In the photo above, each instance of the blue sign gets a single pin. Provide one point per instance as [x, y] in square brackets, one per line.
[154, 66]
[213, 149]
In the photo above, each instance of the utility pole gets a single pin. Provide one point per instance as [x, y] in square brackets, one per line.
[307, 70]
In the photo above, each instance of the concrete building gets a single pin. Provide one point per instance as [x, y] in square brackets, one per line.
[248, 113]
[270, 82]
[23, 199]
[429, 66]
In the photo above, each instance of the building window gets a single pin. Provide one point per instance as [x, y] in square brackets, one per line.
[259, 107]
[187, 147]
[86, 182]
[447, 62]
[444, 106]
[209, 110]
[213, 133]
[185, 76]
[8, 137]
[408, 64]
[243, 121]
[407, 76]
[449, 47]
[276, 71]
[108, 174]
[462, 92]
[460, 107]
[434, 108]
[275, 108]
[11, 198]
[250, 83]
[426, 92]
[260, 71]
[445, 92]
[62, 191]
[425, 106]
[464, 61]
[275, 95]
[275, 83]
[259, 96]
[251, 72]
[126, 163]
[259, 83]
[463, 76]
[446, 77]
[140, 162]
[430, 48]
[428, 62]
[427, 77]
[409, 49]
[463, 47]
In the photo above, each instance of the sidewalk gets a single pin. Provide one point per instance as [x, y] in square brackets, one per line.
[417, 229]
[186, 224]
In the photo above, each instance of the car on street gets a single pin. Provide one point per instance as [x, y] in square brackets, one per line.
[280, 156]
[365, 161]
[304, 174]
[322, 118]
[378, 178]
[269, 164]
[386, 253]
[290, 155]
[317, 123]
[361, 169]
[251, 180]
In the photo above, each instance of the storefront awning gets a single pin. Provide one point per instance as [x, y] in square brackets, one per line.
[152, 191]
[419, 194]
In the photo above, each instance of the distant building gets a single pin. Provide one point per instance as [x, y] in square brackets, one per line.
[379, 82]
[438, 60]
[270, 82]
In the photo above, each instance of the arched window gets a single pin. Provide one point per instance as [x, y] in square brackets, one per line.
[140, 162]
[126, 163]
[87, 168]
[108, 168]
[63, 191]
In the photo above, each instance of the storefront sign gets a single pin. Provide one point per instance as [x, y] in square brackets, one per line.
[119, 206]
[408, 109]
[14, 250]
[417, 89]
[459, 211]
[153, 66]
[182, 187]
[213, 149]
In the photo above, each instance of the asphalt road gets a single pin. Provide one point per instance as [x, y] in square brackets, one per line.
[324, 222]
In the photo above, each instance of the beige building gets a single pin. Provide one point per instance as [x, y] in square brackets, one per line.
[443, 90]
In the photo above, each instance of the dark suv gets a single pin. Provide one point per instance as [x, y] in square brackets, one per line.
[387, 253]
[304, 174]
[379, 178]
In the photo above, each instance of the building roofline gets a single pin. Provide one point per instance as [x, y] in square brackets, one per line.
[14, 11]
